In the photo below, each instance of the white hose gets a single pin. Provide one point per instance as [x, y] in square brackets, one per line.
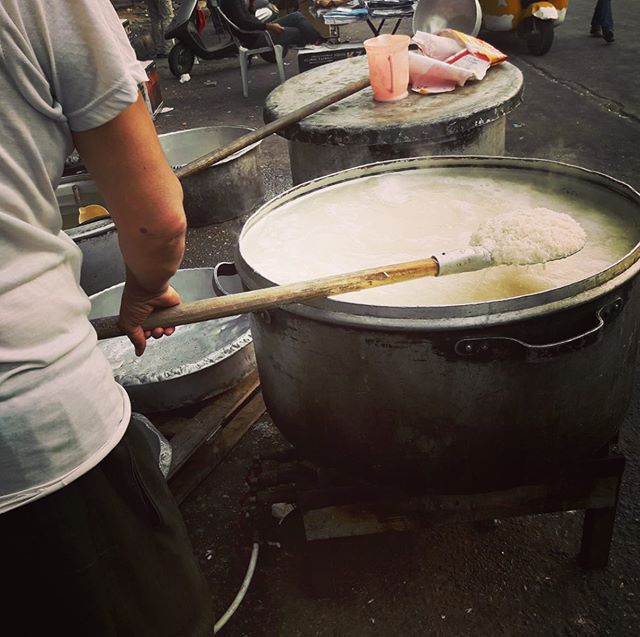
[242, 592]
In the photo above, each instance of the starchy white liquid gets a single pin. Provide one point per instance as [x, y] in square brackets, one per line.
[396, 217]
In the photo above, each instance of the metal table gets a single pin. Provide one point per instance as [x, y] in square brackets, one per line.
[375, 29]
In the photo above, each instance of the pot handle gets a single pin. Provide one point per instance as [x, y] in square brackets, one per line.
[226, 280]
[493, 347]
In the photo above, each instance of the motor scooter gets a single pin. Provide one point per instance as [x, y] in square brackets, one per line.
[188, 27]
[534, 21]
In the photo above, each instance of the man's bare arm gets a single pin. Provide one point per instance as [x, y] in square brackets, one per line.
[144, 199]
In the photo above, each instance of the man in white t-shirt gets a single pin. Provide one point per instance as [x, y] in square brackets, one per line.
[92, 542]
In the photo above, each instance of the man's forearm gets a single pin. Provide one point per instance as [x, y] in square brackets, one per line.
[152, 261]
[142, 194]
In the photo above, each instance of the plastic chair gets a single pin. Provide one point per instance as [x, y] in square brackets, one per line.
[245, 54]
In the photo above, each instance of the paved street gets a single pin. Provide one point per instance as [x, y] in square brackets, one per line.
[582, 101]
[520, 579]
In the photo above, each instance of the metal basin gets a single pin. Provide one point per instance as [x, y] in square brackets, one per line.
[465, 397]
[432, 16]
[102, 263]
[231, 188]
[197, 362]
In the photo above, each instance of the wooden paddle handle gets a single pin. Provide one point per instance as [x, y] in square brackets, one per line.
[276, 296]
[273, 127]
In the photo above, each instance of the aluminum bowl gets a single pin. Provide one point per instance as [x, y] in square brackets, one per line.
[102, 263]
[432, 16]
[197, 362]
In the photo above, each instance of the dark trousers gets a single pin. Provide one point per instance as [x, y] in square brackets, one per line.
[297, 32]
[160, 16]
[603, 16]
[106, 556]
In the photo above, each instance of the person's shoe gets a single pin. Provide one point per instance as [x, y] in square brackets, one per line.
[596, 32]
[608, 36]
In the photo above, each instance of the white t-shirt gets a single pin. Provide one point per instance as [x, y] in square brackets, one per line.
[64, 65]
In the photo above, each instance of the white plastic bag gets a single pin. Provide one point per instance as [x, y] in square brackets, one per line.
[433, 76]
[436, 46]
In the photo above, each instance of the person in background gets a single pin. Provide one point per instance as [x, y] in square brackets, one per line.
[160, 16]
[290, 29]
[92, 541]
[602, 21]
[308, 8]
[265, 10]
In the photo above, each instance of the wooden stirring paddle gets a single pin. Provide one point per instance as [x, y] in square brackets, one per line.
[538, 230]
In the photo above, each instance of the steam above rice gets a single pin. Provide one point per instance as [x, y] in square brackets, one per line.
[530, 236]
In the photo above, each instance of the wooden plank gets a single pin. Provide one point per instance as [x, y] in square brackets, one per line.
[326, 513]
[592, 485]
[194, 425]
[210, 454]
[349, 521]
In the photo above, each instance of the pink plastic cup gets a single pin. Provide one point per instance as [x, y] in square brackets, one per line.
[388, 59]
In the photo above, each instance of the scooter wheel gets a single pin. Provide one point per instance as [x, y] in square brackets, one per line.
[181, 59]
[540, 37]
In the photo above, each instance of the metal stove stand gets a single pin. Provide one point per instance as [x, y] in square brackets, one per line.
[329, 505]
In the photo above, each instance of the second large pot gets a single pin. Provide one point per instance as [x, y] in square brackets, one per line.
[231, 188]
[457, 398]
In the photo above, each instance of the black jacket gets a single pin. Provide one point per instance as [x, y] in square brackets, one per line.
[241, 16]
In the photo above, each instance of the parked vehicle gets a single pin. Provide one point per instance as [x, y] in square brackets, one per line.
[195, 35]
[534, 21]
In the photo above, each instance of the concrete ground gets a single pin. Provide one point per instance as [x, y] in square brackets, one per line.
[581, 105]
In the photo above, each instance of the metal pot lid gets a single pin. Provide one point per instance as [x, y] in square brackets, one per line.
[189, 350]
[432, 16]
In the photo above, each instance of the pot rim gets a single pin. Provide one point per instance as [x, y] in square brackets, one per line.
[236, 155]
[452, 316]
[91, 230]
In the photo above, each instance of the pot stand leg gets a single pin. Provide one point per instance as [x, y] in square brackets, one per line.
[597, 530]
[596, 537]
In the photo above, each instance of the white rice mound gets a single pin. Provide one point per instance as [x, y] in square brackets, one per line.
[524, 237]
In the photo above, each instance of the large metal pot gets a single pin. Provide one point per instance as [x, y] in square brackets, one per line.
[102, 263]
[465, 397]
[358, 130]
[231, 188]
